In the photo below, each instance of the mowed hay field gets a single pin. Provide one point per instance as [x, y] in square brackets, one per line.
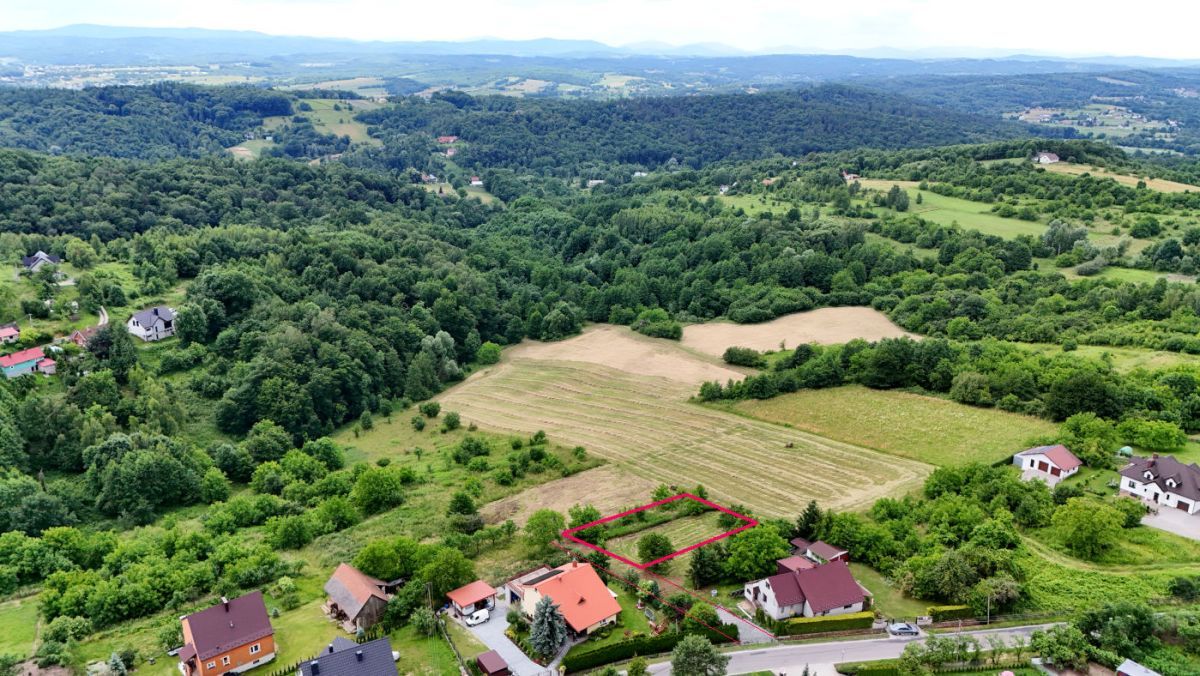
[932, 430]
[641, 421]
[682, 533]
[827, 326]
[1159, 184]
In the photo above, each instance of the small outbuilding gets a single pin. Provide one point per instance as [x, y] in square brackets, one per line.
[1131, 668]
[475, 596]
[491, 664]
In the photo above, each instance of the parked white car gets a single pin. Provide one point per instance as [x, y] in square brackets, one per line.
[478, 617]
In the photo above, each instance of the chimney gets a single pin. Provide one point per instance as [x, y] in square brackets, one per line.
[331, 648]
[358, 655]
[316, 668]
[225, 602]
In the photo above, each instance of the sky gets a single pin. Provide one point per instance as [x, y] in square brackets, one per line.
[1064, 27]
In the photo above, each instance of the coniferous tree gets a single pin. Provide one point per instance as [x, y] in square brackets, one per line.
[548, 631]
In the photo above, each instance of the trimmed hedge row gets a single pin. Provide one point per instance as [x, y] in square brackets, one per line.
[816, 625]
[642, 645]
[945, 613]
[892, 668]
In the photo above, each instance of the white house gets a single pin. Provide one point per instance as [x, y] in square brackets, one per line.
[585, 602]
[827, 589]
[1046, 158]
[36, 261]
[1163, 480]
[1054, 463]
[153, 323]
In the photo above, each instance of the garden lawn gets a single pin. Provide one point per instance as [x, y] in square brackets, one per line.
[422, 655]
[887, 599]
[929, 429]
[18, 626]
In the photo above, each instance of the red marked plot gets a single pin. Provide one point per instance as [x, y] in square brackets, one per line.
[747, 522]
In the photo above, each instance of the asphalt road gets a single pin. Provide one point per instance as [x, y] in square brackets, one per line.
[791, 659]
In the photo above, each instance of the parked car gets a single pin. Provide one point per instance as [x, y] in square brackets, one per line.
[478, 617]
[903, 629]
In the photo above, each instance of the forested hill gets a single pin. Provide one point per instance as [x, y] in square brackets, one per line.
[158, 121]
[563, 136]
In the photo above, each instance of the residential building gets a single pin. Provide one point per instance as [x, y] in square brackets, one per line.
[592, 183]
[819, 552]
[231, 637]
[25, 362]
[1052, 462]
[356, 599]
[153, 323]
[1131, 668]
[848, 177]
[476, 182]
[827, 589]
[1162, 480]
[585, 602]
[1046, 158]
[344, 657]
[492, 664]
[475, 596]
[794, 564]
[9, 333]
[36, 261]
[81, 336]
[447, 139]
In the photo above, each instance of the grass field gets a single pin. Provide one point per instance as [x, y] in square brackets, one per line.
[755, 204]
[1123, 358]
[681, 532]
[1160, 184]
[18, 626]
[967, 214]
[340, 122]
[928, 429]
[827, 326]
[886, 598]
[644, 425]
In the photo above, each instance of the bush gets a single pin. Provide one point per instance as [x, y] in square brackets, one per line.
[642, 645]
[947, 613]
[418, 423]
[430, 409]
[451, 422]
[744, 356]
[816, 625]
[488, 353]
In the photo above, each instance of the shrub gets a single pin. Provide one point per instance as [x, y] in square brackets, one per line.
[418, 423]
[488, 353]
[744, 356]
[816, 625]
[451, 422]
[430, 409]
[946, 613]
[642, 645]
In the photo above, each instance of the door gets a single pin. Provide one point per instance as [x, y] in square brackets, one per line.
[1180, 504]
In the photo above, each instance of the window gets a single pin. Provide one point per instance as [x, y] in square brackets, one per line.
[255, 648]
[1171, 483]
[1149, 475]
[225, 661]
[212, 665]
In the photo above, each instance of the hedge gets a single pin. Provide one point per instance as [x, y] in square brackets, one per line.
[817, 625]
[944, 613]
[642, 645]
[879, 668]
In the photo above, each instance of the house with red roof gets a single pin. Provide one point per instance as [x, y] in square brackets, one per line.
[10, 333]
[818, 552]
[1049, 463]
[447, 139]
[472, 597]
[25, 362]
[231, 637]
[81, 336]
[356, 599]
[827, 589]
[586, 603]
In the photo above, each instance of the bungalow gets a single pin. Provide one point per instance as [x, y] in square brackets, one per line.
[1053, 463]
[451, 152]
[585, 602]
[9, 333]
[231, 637]
[1046, 158]
[153, 323]
[475, 596]
[476, 181]
[344, 657]
[447, 139]
[355, 598]
[36, 261]
[1163, 480]
[827, 589]
[21, 363]
[819, 552]
[1131, 668]
[492, 664]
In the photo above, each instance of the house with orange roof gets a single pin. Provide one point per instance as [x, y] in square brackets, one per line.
[585, 602]
[356, 599]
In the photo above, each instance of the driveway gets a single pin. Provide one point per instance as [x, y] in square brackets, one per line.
[1174, 521]
[748, 632]
[491, 634]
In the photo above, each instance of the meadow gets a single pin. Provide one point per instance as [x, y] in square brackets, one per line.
[966, 214]
[826, 326]
[917, 427]
[1159, 184]
[681, 532]
[644, 425]
[1122, 358]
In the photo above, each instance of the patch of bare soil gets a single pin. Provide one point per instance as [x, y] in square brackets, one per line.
[620, 348]
[608, 488]
[826, 326]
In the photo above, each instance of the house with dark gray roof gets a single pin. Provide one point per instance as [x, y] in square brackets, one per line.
[827, 589]
[153, 323]
[356, 599]
[347, 658]
[1162, 480]
[36, 261]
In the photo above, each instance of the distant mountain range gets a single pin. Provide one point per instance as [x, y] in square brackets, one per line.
[123, 45]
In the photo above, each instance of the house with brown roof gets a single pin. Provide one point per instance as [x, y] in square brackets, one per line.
[81, 336]
[827, 589]
[819, 552]
[1162, 480]
[472, 597]
[585, 602]
[356, 599]
[492, 664]
[1046, 158]
[231, 637]
[1049, 463]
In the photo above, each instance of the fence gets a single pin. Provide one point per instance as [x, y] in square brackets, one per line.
[462, 664]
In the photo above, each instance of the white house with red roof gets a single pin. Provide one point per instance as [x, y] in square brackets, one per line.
[1049, 463]
[10, 333]
[827, 589]
[585, 602]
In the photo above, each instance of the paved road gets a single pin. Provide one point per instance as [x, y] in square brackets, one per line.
[791, 659]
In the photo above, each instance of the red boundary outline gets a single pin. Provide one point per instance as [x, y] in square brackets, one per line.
[569, 534]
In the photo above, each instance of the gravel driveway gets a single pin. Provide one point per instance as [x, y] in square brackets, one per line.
[491, 633]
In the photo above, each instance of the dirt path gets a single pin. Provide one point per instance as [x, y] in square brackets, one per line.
[825, 326]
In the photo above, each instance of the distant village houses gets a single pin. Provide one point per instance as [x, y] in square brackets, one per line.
[447, 139]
